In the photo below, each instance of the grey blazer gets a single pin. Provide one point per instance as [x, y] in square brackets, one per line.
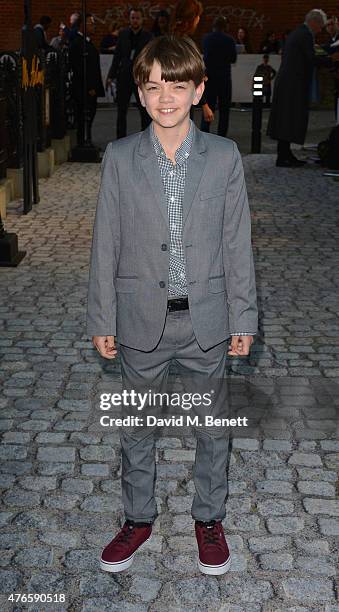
[128, 282]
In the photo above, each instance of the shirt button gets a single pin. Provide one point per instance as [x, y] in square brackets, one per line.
[171, 173]
[172, 199]
[164, 247]
[162, 284]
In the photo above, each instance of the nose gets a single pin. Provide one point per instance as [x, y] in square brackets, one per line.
[165, 95]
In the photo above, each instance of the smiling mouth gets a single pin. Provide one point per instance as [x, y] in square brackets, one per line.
[167, 111]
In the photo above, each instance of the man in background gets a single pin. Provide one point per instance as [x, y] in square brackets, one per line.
[291, 97]
[219, 53]
[40, 30]
[130, 42]
[95, 87]
[268, 73]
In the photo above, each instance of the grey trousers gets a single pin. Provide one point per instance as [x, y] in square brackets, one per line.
[202, 370]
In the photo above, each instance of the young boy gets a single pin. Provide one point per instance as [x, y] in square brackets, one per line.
[171, 279]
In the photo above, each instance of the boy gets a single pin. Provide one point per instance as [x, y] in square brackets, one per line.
[172, 278]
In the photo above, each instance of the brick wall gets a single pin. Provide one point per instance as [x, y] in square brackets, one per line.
[258, 16]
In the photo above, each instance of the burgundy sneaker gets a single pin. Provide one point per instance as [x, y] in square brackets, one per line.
[214, 556]
[119, 553]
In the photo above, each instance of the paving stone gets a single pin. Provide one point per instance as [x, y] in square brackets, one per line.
[304, 590]
[313, 505]
[10, 580]
[77, 485]
[34, 557]
[329, 527]
[99, 585]
[307, 459]
[38, 483]
[60, 539]
[56, 453]
[19, 498]
[245, 444]
[277, 445]
[279, 474]
[147, 589]
[246, 590]
[95, 469]
[315, 565]
[61, 502]
[316, 488]
[312, 547]
[11, 451]
[268, 543]
[285, 525]
[316, 474]
[275, 507]
[101, 503]
[274, 486]
[47, 582]
[276, 561]
[97, 453]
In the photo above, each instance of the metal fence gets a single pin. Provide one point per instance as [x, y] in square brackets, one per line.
[55, 111]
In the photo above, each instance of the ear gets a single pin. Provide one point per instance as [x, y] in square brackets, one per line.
[198, 93]
[141, 96]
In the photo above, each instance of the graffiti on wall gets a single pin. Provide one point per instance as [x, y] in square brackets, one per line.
[240, 15]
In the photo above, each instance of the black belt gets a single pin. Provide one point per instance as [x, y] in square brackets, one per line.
[177, 304]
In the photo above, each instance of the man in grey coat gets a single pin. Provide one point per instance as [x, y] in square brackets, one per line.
[172, 280]
[291, 97]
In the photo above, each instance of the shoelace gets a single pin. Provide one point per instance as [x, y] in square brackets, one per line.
[211, 534]
[127, 532]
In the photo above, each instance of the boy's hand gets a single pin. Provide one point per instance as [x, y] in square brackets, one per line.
[105, 345]
[240, 345]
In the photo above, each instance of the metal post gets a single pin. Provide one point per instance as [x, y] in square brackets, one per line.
[10, 256]
[30, 78]
[257, 114]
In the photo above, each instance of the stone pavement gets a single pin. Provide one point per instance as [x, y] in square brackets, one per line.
[60, 469]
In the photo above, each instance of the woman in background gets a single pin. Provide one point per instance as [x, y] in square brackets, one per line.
[161, 24]
[184, 21]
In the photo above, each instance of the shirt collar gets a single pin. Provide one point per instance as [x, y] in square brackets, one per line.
[182, 153]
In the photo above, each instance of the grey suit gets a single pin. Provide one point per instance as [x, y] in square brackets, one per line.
[128, 291]
[128, 282]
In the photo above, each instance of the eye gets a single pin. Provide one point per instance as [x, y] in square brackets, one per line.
[180, 87]
[150, 88]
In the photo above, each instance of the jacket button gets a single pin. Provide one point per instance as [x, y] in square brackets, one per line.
[162, 284]
[164, 247]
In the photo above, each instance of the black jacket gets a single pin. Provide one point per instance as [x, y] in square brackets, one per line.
[122, 64]
[94, 79]
[291, 96]
[219, 53]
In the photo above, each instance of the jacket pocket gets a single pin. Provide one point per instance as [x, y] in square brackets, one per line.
[217, 284]
[125, 284]
[217, 193]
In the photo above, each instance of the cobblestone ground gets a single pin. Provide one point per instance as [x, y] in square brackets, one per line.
[60, 470]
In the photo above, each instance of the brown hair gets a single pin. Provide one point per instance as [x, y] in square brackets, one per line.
[183, 16]
[179, 58]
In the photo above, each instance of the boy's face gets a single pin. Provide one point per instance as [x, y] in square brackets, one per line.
[168, 102]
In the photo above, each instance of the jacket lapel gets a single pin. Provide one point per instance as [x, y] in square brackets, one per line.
[150, 166]
[195, 169]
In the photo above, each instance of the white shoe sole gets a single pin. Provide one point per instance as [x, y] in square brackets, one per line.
[215, 570]
[120, 566]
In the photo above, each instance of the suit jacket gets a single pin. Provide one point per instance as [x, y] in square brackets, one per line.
[93, 70]
[219, 53]
[291, 96]
[122, 63]
[128, 282]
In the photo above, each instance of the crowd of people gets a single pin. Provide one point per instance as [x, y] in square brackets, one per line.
[220, 50]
